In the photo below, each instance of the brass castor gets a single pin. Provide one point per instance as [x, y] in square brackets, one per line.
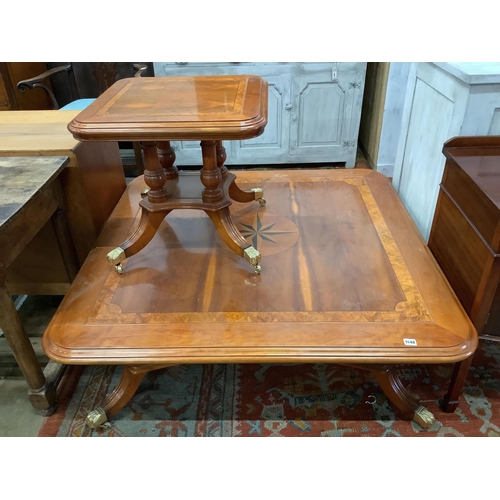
[424, 417]
[144, 193]
[115, 257]
[262, 202]
[259, 193]
[253, 257]
[96, 418]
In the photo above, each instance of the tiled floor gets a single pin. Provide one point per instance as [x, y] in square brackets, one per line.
[17, 417]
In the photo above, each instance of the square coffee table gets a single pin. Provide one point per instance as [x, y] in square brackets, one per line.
[348, 279]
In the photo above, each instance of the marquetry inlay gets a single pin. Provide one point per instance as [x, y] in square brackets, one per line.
[278, 236]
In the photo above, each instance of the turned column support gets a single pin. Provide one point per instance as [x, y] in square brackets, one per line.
[221, 157]
[166, 156]
[154, 176]
[210, 173]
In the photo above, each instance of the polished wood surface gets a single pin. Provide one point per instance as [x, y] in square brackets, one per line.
[93, 182]
[168, 108]
[346, 278]
[30, 196]
[465, 236]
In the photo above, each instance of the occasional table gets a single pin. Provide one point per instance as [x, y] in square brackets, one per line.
[30, 195]
[155, 111]
[348, 280]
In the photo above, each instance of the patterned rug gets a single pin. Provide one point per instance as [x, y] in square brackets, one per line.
[278, 400]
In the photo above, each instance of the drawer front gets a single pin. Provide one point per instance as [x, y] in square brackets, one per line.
[477, 207]
[459, 250]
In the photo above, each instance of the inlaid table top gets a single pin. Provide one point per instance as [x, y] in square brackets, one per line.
[345, 277]
[171, 108]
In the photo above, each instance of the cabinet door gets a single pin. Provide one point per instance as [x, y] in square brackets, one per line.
[272, 146]
[324, 122]
[188, 153]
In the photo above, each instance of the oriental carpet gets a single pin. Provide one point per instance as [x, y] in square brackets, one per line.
[278, 400]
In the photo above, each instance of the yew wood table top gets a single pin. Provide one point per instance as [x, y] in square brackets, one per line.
[347, 279]
[176, 108]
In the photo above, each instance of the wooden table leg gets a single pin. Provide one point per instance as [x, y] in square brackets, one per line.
[154, 177]
[450, 401]
[235, 193]
[400, 397]
[41, 394]
[127, 386]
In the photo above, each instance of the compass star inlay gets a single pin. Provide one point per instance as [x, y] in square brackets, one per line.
[268, 233]
[259, 231]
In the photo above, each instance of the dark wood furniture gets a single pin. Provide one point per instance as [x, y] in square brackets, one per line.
[92, 181]
[465, 234]
[30, 196]
[348, 279]
[11, 98]
[155, 111]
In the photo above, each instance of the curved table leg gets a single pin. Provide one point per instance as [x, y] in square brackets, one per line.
[149, 223]
[400, 397]
[450, 401]
[237, 194]
[127, 386]
[231, 236]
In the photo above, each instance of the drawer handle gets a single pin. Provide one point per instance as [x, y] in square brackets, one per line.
[181, 63]
[288, 106]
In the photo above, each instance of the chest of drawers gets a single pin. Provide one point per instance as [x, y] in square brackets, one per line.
[465, 233]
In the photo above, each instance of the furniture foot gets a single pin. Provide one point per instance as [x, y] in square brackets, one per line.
[42, 394]
[231, 236]
[127, 386]
[150, 221]
[241, 196]
[401, 398]
[450, 401]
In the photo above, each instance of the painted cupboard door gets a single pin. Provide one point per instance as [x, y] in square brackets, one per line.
[323, 117]
[188, 153]
[434, 112]
[273, 144]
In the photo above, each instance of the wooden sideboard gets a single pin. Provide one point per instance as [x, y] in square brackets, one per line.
[314, 112]
[465, 233]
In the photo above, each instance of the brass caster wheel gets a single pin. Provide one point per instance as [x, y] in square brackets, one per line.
[96, 418]
[424, 417]
[119, 269]
[262, 202]
[144, 193]
[257, 268]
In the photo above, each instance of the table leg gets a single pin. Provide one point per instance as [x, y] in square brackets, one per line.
[210, 174]
[450, 401]
[232, 237]
[235, 193]
[400, 397]
[127, 386]
[148, 225]
[41, 394]
[166, 156]
[155, 178]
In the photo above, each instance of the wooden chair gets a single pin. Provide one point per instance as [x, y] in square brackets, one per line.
[105, 76]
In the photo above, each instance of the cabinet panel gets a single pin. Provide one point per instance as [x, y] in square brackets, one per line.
[274, 140]
[313, 116]
[188, 153]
